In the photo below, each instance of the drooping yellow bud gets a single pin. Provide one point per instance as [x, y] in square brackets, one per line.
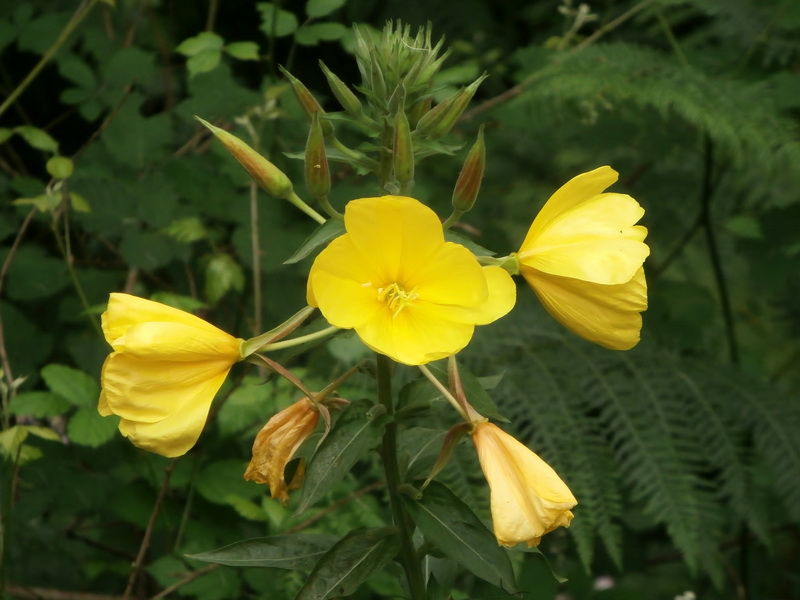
[469, 180]
[268, 176]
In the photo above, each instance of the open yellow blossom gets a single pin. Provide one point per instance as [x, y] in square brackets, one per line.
[583, 257]
[528, 499]
[162, 376]
[275, 445]
[407, 293]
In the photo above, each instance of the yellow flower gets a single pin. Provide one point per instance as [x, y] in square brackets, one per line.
[583, 257]
[407, 293]
[166, 367]
[528, 499]
[275, 445]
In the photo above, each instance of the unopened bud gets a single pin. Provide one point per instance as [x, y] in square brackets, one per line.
[349, 101]
[469, 180]
[441, 119]
[420, 108]
[307, 101]
[318, 176]
[403, 155]
[268, 176]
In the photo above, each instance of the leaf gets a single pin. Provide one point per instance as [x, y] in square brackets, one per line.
[37, 138]
[79, 203]
[458, 532]
[200, 43]
[345, 566]
[353, 435]
[311, 35]
[321, 8]
[41, 405]
[187, 230]
[276, 21]
[298, 552]
[222, 274]
[78, 72]
[222, 479]
[75, 386]
[205, 61]
[476, 249]
[243, 50]
[329, 230]
[87, 427]
[60, 167]
[5, 133]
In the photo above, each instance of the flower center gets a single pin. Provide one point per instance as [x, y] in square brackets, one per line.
[396, 298]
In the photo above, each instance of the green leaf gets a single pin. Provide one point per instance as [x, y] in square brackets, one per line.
[321, 8]
[60, 167]
[345, 566]
[78, 72]
[222, 479]
[187, 230]
[205, 61]
[222, 274]
[41, 405]
[244, 407]
[298, 552]
[200, 43]
[476, 249]
[87, 427]
[73, 385]
[282, 21]
[37, 138]
[458, 532]
[5, 133]
[329, 230]
[353, 435]
[311, 35]
[79, 203]
[243, 50]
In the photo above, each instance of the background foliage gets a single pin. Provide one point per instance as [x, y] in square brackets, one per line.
[683, 452]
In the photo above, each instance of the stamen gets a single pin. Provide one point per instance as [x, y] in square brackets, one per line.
[396, 298]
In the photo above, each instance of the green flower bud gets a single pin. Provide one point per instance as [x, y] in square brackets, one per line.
[318, 176]
[403, 147]
[307, 101]
[441, 119]
[469, 180]
[348, 100]
[268, 176]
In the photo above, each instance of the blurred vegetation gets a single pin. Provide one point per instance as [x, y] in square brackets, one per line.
[683, 452]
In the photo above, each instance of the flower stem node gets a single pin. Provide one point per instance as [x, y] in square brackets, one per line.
[268, 176]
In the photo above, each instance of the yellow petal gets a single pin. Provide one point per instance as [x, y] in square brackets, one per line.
[395, 234]
[177, 342]
[604, 314]
[343, 260]
[344, 302]
[452, 276]
[528, 498]
[125, 310]
[595, 241]
[416, 336]
[141, 390]
[577, 190]
[502, 296]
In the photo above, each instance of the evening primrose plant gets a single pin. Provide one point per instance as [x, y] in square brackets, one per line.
[389, 269]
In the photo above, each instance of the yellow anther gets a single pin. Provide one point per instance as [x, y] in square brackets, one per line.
[396, 298]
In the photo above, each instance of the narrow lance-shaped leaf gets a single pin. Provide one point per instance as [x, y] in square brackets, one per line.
[297, 552]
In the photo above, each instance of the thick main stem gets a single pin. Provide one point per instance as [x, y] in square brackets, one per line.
[408, 554]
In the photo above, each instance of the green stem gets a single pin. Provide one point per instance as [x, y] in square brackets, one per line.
[408, 554]
[454, 216]
[76, 19]
[294, 199]
[326, 206]
[299, 340]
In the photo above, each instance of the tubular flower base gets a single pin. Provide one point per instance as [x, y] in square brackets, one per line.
[528, 499]
[275, 445]
[166, 367]
[407, 293]
[583, 257]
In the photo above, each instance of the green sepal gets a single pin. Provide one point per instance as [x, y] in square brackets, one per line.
[355, 433]
[475, 392]
[296, 552]
[329, 230]
[352, 560]
[449, 524]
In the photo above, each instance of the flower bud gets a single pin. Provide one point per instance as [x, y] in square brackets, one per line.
[348, 100]
[318, 176]
[268, 176]
[441, 119]
[469, 180]
[403, 155]
[307, 101]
